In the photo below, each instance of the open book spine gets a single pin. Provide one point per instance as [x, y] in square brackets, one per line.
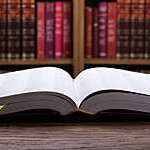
[123, 28]
[3, 28]
[14, 29]
[49, 41]
[41, 30]
[111, 30]
[137, 29]
[147, 29]
[28, 29]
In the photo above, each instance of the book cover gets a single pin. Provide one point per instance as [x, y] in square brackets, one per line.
[67, 29]
[95, 49]
[14, 29]
[58, 29]
[3, 28]
[88, 32]
[137, 29]
[123, 28]
[111, 29]
[147, 29]
[40, 30]
[28, 29]
[49, 49]
[102, 29]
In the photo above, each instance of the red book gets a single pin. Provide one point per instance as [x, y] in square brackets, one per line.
[49, 30]
[102, 31]
[41, 30]
[89, 25]
[58, 29]
[66, 30]
[111, 29]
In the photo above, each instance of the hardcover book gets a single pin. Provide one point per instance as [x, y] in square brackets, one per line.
[88, 32]
[102, 29]
[137, 28]
[14, 29]
[28, 29]
[41, 30]
[123, 28]
[92, 91]
[3, 29]
[111, 30]
[49, 45]
[67, 37]
[58, 29]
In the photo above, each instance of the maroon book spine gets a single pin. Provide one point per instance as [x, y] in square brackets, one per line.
[102, 30]
[137, 29]
[111, 30]
[58, 29]
[89, 23]
[28, 29]
[66, 30]
[3, 24]
[123, 28]
[147, 29]
[49, 30]
[95, 33]
[40, 30]
[14, 29]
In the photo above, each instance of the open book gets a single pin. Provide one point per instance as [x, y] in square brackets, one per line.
[93, 90]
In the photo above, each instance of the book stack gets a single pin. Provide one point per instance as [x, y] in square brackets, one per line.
[100, 30]
[54, 29]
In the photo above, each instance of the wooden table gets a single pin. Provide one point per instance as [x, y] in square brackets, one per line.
[88, 136]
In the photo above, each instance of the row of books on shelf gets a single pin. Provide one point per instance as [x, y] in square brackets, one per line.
[117, 29]
[30, 29]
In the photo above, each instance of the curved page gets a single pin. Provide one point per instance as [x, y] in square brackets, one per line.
[48, 79]
[99, 79]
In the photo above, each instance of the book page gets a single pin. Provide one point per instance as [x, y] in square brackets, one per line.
[99, 79]
[46, 79]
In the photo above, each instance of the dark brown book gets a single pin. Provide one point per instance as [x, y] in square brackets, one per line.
[14, 29]
[3, 28]
[28, 29]
[138, 29]
[88, 32]
[114, 89]
[123, 28]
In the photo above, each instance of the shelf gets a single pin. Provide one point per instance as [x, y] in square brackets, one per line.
[36, 62]
[117, 61]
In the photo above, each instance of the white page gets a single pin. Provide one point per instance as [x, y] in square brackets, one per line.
[47, 79]
[98, 79]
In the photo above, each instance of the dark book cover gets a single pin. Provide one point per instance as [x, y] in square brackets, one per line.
[147, 29]
[102, 29]
[67, 29]
[137, 29]
[28, 29]
[3, 24]
[58, 29]
[123, 28]
[111, 29]
[88, 32]
[14, 29]
[95, 49]
[49, 45]
[40, 30]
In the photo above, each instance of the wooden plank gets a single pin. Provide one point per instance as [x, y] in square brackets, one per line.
[117, 61]
[104, 136]
[36, 62]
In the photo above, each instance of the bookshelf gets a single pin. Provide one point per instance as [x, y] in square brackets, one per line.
[78, 60]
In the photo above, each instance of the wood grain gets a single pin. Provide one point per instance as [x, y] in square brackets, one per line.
[104, 136]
